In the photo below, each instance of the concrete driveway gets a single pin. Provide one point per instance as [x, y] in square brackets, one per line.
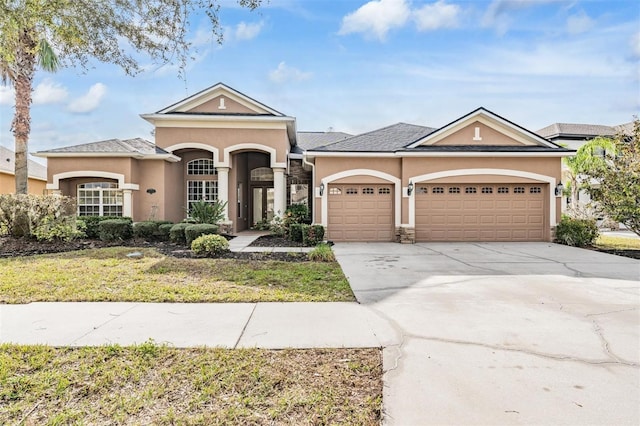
[503, 333]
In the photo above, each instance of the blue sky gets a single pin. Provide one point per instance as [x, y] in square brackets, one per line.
[355, 66]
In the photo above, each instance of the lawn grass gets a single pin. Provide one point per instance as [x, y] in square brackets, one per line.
[609, 242]
[108, 275]
[152, 384]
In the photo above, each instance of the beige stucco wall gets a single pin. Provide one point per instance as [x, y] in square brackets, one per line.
[489, 136]
[231, 107]
[223, 138]
[8, 185]
[120, 165]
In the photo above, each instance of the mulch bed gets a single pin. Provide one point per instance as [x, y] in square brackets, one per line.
[633, 254]
[273, 241]
[14, 247]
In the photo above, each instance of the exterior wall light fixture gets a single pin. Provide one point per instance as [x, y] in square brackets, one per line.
[322, 189]
[410, 188]
[559, 189]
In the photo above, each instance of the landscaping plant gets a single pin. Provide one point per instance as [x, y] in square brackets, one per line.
[210, 245]
[192, 232]
[576, 232]
[92, 224]
[206, 212]
[322, 253]
[115, 230]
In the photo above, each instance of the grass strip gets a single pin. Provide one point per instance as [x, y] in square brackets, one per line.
[154, 384]
[108, 275]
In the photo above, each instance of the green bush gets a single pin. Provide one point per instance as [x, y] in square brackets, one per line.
[277, 227]
[206, 212]
[22, 215]
[145, 230]
[115, 230]
[312, 234]
[65, 229]
[176, 233]
[295, 232]
[576, 232]
[192, 232]
[163, 231]
[322, 253]
[297, 213]
[210, 245]
[92, 224]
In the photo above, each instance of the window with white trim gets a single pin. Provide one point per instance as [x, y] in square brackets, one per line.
[262, 174]
[99, 199]
[197, 190]
[201, 166]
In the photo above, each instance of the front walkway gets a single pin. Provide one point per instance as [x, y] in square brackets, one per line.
[242, 242]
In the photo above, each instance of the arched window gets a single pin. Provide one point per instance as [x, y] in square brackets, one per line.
[99, 199]
[262, 174]
[201, 166]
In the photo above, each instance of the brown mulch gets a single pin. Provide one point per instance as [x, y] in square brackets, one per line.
[15, 247]
[273, 241]
[633, 254]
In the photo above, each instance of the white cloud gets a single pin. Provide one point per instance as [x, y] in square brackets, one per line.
[497, 14]
[90, 101]
[284, 74]
[249, 31]
[49, 92]
[579, 23]
[376, 18]
[7, 95]
[437, 15]
[635, 44]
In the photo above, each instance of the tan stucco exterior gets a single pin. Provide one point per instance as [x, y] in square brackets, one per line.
[8, 185]
[240, 135]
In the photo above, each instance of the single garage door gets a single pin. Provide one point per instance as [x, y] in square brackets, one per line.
[360, 213]
[480, 212]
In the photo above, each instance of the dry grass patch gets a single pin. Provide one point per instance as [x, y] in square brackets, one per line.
[107, 274]
[151, 384]
[609, 242]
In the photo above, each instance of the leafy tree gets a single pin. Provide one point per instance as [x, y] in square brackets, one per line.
[588, 160]
[618, 190]
[81, 30]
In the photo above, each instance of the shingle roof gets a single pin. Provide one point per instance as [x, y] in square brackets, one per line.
[126, 146]
[485, 148]
[8, 162]
[387, 139]
[574, 129]
[311, 140]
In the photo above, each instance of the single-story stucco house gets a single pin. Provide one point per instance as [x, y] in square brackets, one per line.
[479, 178]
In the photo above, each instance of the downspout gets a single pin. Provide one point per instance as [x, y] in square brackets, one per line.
[313, 186]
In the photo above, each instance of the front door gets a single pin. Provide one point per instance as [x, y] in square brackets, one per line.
[262, 204]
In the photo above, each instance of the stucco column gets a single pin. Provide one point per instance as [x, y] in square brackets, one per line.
[223, 189]
[127, 203]
[279, 189]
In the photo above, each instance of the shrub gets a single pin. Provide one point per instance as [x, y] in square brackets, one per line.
[176, 233]
[295, 232]
[27, 215]
[65, 229]
[115, 230]
[205, 212]
[145, 230]
[210, 245]
[322, 253]
[262, 225]
[297, 213]
[576, 232]
[277, 227]
[312, 234]
[92, 223]
[192, 232]
[163, 231]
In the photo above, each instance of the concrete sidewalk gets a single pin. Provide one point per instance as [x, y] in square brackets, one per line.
[228, 325]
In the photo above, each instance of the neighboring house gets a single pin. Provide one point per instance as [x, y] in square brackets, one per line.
[573, 136]
[479, 178]
[37, 174]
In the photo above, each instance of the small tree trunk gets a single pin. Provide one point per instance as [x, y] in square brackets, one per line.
[21, 125]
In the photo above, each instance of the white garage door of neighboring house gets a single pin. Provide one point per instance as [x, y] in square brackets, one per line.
[480, 212]
[360, 213]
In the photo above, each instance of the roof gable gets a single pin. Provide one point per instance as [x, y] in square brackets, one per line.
[482, 128]
[220, 99]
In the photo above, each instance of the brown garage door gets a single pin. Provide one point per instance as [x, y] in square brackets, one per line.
[360, 213]
[480, 212]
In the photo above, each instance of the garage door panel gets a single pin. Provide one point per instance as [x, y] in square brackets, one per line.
[495, 212]
[360, 213]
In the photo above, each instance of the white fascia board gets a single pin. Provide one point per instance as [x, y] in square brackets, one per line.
[313, 154]
[486, 154]
[159, 118]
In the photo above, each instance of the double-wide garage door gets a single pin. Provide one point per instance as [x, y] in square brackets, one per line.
[360, 213]
[480, 212]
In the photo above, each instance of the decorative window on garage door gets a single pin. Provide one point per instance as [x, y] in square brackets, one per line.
[503, 190]
[487, 190]
[535, 190]
[384, 191]
[518, 190]
[335, 191]
[422, 190]
[368, 191]
[454, 190]
[352, 191]
[438, 190]
[470, 190]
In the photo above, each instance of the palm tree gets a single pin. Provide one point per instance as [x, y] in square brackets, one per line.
[31, 51]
